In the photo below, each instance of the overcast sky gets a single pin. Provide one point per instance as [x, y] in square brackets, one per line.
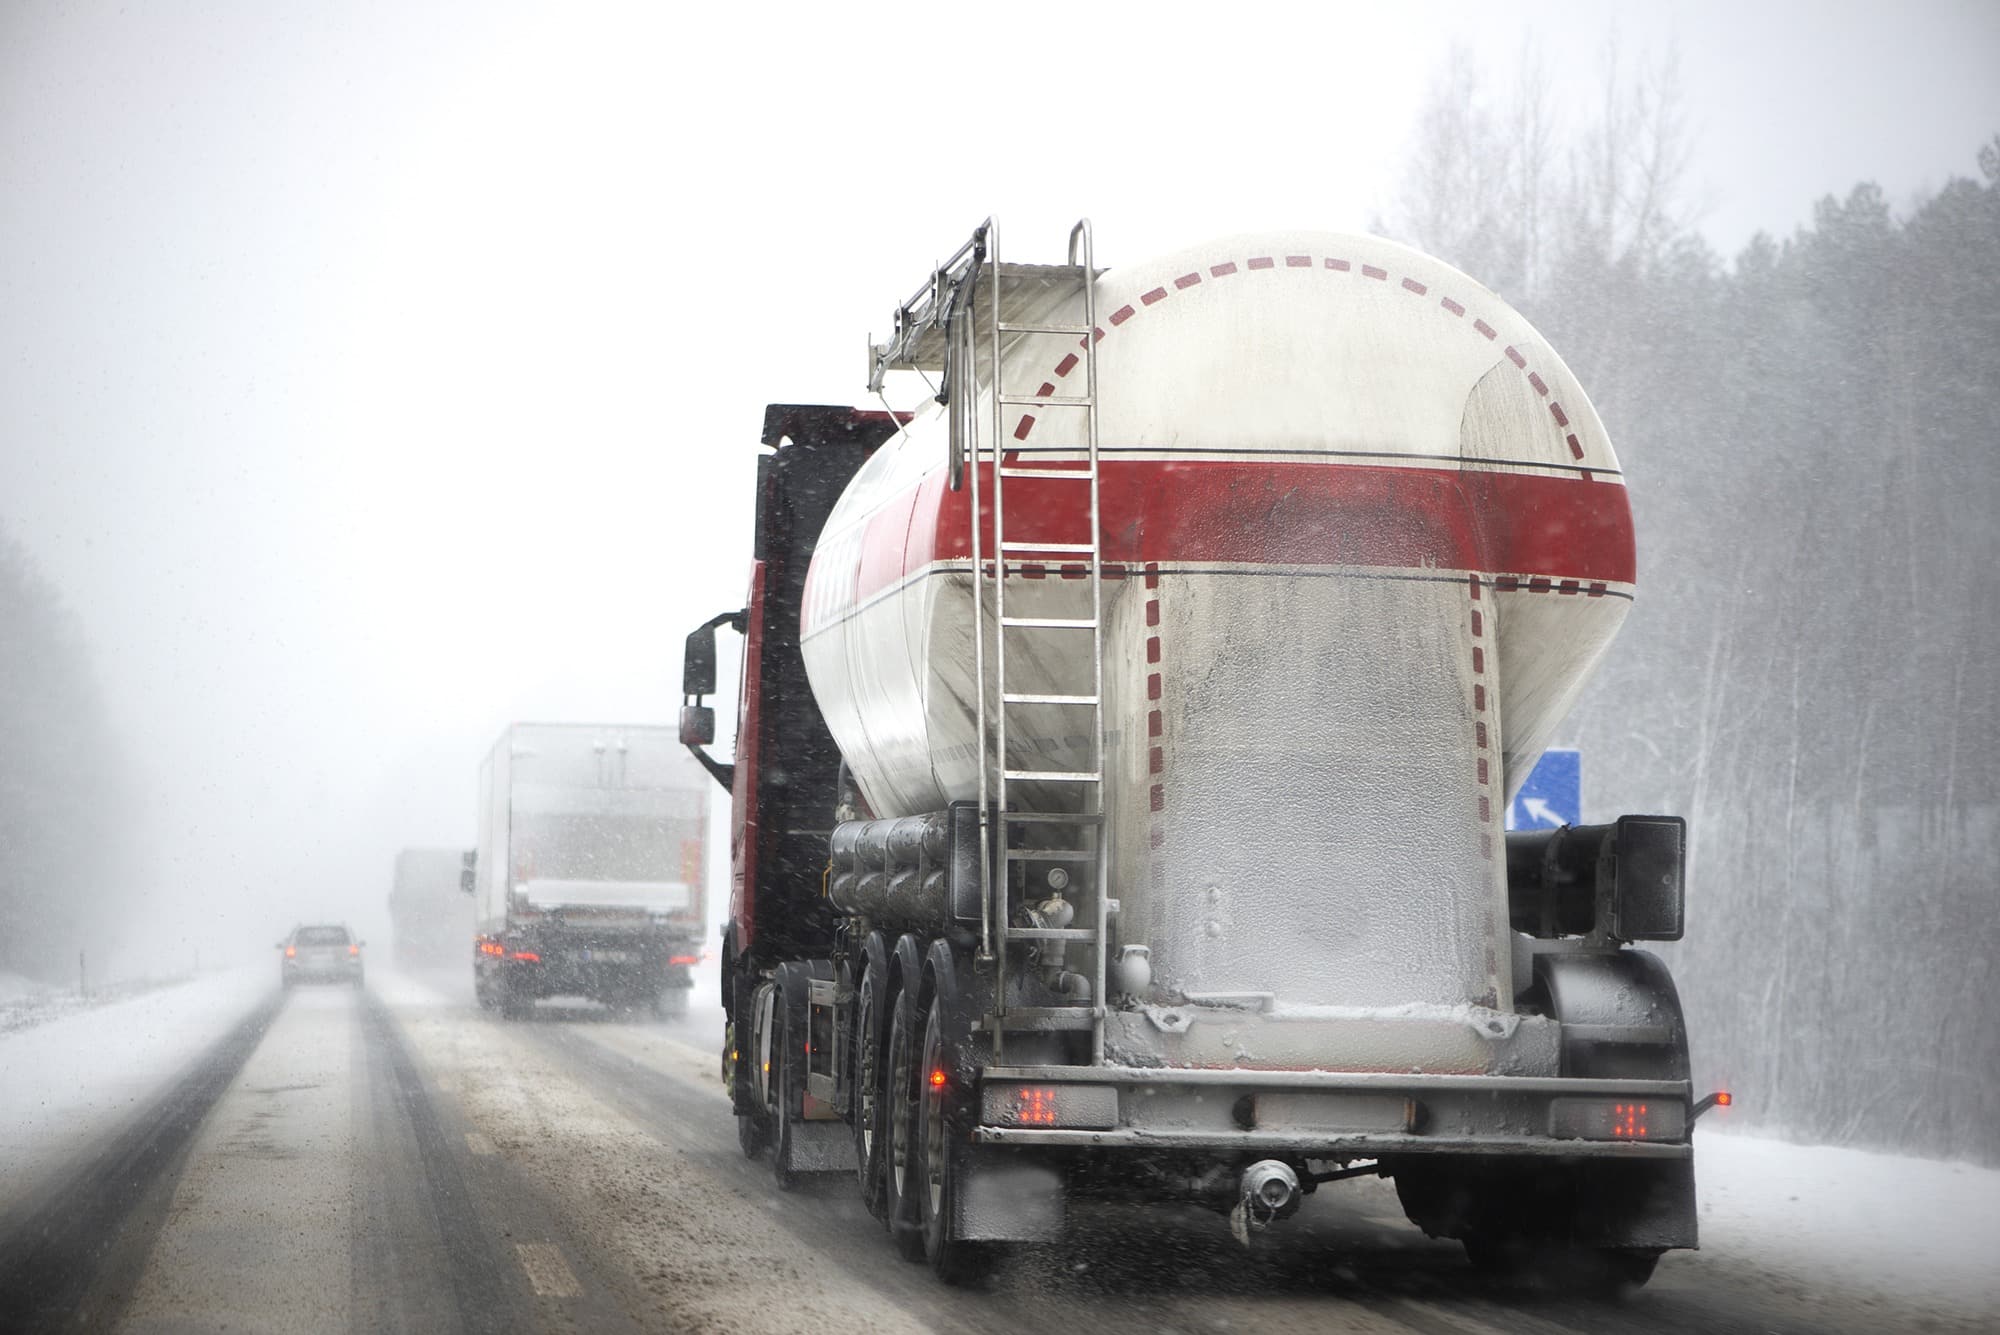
[373, 374]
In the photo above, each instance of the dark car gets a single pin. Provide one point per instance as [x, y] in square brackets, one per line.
[325, 954]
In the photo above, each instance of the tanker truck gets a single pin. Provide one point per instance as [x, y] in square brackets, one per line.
[1122, 746]
[588, 879]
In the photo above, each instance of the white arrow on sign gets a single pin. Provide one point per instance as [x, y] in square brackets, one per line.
[1538, 810]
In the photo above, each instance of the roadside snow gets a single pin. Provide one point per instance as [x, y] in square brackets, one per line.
[1847, 1220]
[69, 1080]
[25, 1003]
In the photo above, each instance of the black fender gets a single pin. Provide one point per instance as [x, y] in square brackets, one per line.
[872, 964]
[906, 963]
[728, 985]
[1620, 1014]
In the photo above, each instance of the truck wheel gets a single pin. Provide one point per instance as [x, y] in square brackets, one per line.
[751, 1134]
[902, 1167]
[951, 1259]
[868, 1100]
[784, 1106]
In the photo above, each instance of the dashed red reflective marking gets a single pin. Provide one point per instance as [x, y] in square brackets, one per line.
[1159, 803]
[1222, 270]
[1121, 315]
[1187, 280]
[1298, 261]
[1046, 390]
[1152, 648]
[1344, 266]
[1157, 294]
[1066, 365]
[1575, 447]
[1540, 387]
[1412, 285]
[1557, 410]
[1370, 271]
[1155, 723]
[1152, 685]
[1485, 328]
[1514, 356]
[1156, 760]
[1451, 305]
[1262, 262]
[1027, 424]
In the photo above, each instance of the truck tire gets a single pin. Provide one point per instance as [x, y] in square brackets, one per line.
[939, 1123]
[869, 1103]
[902, 1168]
[784, 1104]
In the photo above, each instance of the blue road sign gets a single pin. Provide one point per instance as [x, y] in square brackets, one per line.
[1553, 794]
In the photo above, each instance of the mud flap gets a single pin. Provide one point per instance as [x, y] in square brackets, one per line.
[1004, 1195]
[1577, 1202]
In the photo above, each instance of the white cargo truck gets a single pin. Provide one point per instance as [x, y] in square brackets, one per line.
[589, 872]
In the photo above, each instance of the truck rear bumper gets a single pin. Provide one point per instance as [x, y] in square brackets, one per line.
[1325, 1114]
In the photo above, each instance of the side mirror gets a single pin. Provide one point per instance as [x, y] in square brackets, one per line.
[698, 667]
[698, 679]
[468, 870]
[697, 725]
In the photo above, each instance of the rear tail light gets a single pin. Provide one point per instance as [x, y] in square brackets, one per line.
[528, 955]
[1613, 1119]
[354, 950]
[291, 952]
[689, 960]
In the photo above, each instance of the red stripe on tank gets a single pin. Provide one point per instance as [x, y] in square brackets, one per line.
[1197, 511]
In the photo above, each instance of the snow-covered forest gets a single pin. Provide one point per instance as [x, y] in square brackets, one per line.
[1809, 431]
[62, 791]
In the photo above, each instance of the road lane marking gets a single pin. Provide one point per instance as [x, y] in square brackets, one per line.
[548, 1273]
[478, 1142]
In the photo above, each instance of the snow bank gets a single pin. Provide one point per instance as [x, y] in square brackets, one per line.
[1851, 1219]
[72, 1077]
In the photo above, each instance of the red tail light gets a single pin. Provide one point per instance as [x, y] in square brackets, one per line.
[354, 950]
[528, 955]
[937, 1079]
[291, 952]
[684, 959]
[1723, 1100]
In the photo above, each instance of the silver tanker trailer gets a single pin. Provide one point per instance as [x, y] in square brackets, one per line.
[1122, 748]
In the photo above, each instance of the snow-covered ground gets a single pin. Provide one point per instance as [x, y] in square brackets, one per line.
[25, 1003]
[1848, 1221]
[69, 1080]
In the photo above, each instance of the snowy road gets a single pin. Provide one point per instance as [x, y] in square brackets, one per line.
[224, 1156]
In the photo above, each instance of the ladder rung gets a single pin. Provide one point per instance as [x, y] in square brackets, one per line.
[1052, 623]
[1052, 775]
[1082, 548]
[1048, 854]
[1052, 817]
[1078, 473]
[1078, 329]
[1014, 698]
[1038, 400]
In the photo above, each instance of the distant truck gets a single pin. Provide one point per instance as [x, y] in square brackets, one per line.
[430, 917]
[588, 878]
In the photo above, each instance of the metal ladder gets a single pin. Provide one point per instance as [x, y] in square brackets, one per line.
[1005, 814]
